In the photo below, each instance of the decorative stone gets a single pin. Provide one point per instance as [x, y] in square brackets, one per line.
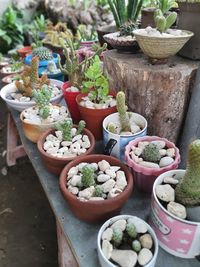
[139, 225]
[111, 173]
[96, 198]
[81, 165]
[76, 180]
[159, 143]
[121, 182]
[107, 249]
[59, 135]
[135, 129]
[171, 152]
[87, 193]
[72, 171]
[119, 224]
[177, 209]
[146, 241]
[107, 234]
[125, 258]
[103, 165]
[76, 138]
[66, 143]
[94, 165]
[137, 151]
[165, 192]
[73, 190]
[163, 152]
[149, 164]
[145, 255]
[73, 131]
[47, 145]
[114, 192]
[165, 161]
[107, 186]
[170, 180]
[114, 168]
[143, 144]
[103, 178]
[52, 150]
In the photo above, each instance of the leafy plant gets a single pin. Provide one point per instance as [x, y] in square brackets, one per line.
[97, 82]
[124, 11]
[164, 23]
[37, 26]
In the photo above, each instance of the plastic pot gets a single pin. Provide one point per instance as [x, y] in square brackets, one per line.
[42, 63]
[24, 51]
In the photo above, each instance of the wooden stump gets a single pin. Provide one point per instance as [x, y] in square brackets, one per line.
[158, 92]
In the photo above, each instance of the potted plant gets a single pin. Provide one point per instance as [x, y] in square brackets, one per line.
[121, 128]
[59, 146]
[75, 71]
[96, 101]
[150, 156]
[18, 94]
[161, 42]
[24, 51]
[10, 78]
[175, 204]
[189, 19]
[15, 67]
[96, 186]
[35, 120]
[127, 240]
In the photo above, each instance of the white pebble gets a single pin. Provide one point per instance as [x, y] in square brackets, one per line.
[103, 165]
[107, 186]
[165, 161]
[103, 178]
[119, 224]
[165, 192]
[145, 255]
[170, 180]
[149, 164]
[121, 182]
[107, 234]
[177, 209]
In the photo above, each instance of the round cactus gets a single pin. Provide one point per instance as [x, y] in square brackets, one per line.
[117, 237]
[131, 230]
[136, 245]
[43, 53]
[151, 153]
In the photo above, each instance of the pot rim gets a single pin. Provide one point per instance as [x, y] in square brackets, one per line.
[10, 73]
[158, 180]
[145, 170]
[188, 34]
[68, 194]
[42, 137]
[116, 218]
[123, 135]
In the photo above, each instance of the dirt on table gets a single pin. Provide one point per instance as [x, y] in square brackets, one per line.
[27, 224]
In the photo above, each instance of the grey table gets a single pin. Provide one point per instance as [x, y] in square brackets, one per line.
[77, 239]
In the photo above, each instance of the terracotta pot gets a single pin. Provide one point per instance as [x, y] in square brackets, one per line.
[145, 177]
[101, 31]
[189, 19]
[24, 51]
[70, 99]
[171, 230]
[55, 164]
[94, 117]
[95, 211]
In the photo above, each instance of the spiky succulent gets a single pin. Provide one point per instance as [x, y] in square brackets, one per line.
[81, 127]
[188, 189]
[88, 176]
[151, 153]
[123, 114]
[42, 53]
[131, 230]
[98, 191]
[65, 128]
[117, 237]
[127, 28]
[164, 23]
[136, 245]
[112, 127]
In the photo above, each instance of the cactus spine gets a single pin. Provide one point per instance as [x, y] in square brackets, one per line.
[151, 153]
[88, 176]
[188, 189]
[122, 110]
[164, 23]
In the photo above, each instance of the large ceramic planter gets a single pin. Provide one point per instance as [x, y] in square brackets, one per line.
[145, 177]
[24, 51]
[178, 237]
[101, 31]
[20, 106]
[94, 117]
[114, 144]
[161, 48]
[104, 261]
[189, 19]
[55, 164]
[70, 99]
[94, 211]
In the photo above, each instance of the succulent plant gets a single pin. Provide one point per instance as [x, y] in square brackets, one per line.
[87, 176]
[42, 53]
[151, 153]
[117, 237]
[188, 189]
[42, 98]
[123, 114]
[112, 127]
[136, 245]
[127, 28]
[81, 126]
[131, 230]
[164, 23]
[98, 191]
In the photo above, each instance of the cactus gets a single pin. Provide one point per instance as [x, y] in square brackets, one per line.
[136, 246]
[42, 98]
[127, 28]
[117, 237]
[151, 153]
[164, 23]
[188, 189]
[65, 128]
[88, 176]
[98, 191]
[42, 53]
[74, 69]
[123, 114]
[131, 230]
[81, 126]
[30, 79]
[112, 127]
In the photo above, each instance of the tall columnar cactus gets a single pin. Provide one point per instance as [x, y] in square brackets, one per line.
[188, 189]
[151, 153]
[123, 114]
[164, 23]
[74, 69]
[88, 176]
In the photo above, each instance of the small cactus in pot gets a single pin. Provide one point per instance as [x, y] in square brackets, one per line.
[43, 53]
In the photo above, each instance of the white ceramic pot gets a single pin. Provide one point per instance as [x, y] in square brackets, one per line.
[104, 261]
[20, 106]
[178, 237]
[115, 143]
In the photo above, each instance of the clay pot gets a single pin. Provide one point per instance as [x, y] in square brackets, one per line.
[70, 99]
[101, 31]
[55, 164]
[24, 51]
[94, 117]
[145, 177]
[147, 17]
[6, 79]
[95, 211]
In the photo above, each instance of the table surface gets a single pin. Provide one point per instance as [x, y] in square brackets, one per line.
[83, 236]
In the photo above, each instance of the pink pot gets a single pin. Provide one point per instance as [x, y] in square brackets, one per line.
[145, 177]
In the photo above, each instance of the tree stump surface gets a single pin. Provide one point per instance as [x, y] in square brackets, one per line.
[158, 92]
